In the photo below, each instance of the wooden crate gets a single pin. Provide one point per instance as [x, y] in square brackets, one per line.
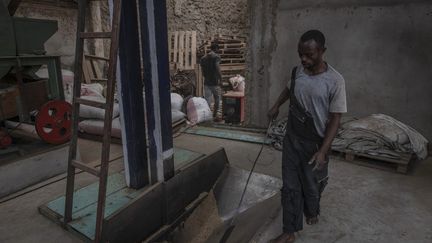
[182, 47]
[400, 165]
[8, 102]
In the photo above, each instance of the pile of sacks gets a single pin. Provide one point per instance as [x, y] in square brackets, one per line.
[380, 135]
[196, 108]
[91, 118]
[238, 83]
[377, 134]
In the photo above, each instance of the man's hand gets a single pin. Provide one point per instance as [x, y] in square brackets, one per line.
[319, 159]
[273, 112]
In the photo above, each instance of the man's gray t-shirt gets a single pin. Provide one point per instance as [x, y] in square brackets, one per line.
[321, 94]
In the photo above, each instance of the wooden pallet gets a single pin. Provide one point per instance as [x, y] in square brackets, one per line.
[232, 50]
[183, 49]
[400, 165]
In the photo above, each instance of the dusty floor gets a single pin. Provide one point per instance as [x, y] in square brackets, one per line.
[360, 204]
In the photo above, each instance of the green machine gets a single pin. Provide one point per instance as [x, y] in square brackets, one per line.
[22, 53]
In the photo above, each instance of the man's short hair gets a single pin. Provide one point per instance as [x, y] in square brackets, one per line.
[214, 46]
[315, 35]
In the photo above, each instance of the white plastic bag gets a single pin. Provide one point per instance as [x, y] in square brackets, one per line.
[177, 116]
[95, 127]
[91, 112]
[94, 89]
[176, 102]
[238, 83]
[198, 110]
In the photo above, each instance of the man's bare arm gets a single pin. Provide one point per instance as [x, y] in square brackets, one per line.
[283, 97]
[219, 72]
[331, 131]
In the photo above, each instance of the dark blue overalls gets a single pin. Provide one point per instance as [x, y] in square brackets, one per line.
[302, 187]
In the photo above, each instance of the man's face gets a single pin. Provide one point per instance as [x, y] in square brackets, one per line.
[310, 53]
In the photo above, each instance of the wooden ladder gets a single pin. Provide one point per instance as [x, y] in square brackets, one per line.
[73, 163]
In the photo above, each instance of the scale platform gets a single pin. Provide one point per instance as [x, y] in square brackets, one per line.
[133, 215]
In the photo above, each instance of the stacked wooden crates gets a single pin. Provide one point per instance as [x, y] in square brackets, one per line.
[182, 49]
[232, 50]
[184, 55]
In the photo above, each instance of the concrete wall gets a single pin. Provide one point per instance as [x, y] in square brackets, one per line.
[208, 17]
[382, 48]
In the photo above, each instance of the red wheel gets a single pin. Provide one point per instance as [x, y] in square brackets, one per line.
[54, 122]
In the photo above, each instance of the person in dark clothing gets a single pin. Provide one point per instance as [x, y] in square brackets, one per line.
[317, 101]
[212, 77]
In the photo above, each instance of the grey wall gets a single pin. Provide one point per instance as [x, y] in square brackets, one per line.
[382, 48]
[208, 17]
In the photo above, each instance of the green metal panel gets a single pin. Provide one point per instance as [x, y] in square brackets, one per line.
[31, 34]
[229, 134]
[7, 42]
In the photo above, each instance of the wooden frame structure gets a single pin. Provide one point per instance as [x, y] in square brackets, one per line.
[182, 46]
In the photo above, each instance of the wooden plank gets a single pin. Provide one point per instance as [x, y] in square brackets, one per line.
[87, 71]
[403, 160]
[131, 82]
[96, 57]
[84, 220]
[188, 57]
[176, 43]
[400, 165]
[181, 53]
[87, 196]
[199, 81]
[147, 212]
[233, 67]
[96, 74]
[194, 49]
[170, 46]
[97, 138]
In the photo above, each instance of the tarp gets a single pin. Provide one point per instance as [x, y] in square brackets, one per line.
[377, 134]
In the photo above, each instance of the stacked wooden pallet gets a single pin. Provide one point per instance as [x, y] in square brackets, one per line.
[401, 164]
[182, 49]
[232, 50]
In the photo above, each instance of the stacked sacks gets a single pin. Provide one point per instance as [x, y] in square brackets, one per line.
[93, 122]
[380, 135]
[238, 83]
[198, 110]
[176, 107]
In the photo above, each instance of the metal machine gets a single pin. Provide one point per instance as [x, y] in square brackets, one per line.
[22, 53]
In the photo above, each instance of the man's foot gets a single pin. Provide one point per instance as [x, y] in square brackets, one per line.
[284, 238]
[312, 220]
[217, 119]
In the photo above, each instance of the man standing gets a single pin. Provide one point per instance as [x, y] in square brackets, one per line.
[212, 77]
[317, 101]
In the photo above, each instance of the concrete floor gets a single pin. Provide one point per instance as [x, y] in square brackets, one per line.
[360, 204]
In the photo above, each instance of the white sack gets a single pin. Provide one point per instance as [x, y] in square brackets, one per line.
[176, 102]
[198, 110]
[95, 127]
[91, 112]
